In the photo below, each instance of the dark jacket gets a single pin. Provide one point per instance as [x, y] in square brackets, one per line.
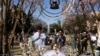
[60, 40]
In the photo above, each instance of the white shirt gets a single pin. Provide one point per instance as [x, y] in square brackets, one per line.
[39, 42]
[93, 37]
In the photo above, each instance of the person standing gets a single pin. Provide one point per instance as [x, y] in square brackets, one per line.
[78, 43]
[84, 42]
[60, 38]
[39, 38]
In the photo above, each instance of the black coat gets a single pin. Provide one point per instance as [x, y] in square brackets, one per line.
[60, 40]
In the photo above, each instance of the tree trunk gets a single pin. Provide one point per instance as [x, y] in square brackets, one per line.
[4, 42]
[1, 38]
[1, 26]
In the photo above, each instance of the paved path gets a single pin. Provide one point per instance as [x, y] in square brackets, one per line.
[67, 50]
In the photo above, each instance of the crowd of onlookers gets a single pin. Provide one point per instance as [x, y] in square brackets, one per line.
[79, 42]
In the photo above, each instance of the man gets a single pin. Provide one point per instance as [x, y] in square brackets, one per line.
[78, 43]
[84, 41]
[39, 38]
[48, 40]
[60, 38]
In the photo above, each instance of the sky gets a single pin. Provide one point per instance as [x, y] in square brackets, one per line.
[50, 18]
[53, 16]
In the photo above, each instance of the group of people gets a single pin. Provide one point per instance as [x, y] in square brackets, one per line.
[84, 40]
[39, 38]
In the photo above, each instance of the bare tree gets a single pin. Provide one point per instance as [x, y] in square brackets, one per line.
[15, 18]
